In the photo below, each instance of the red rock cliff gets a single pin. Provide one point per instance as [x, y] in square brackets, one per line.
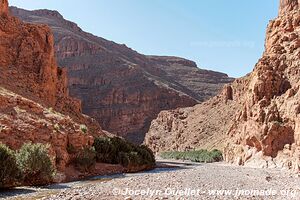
[3, 7]
[265, 132]
[33, 89]
[29, 68]
[27, 60]
[288, 5]
[122, 89]
[256, 118]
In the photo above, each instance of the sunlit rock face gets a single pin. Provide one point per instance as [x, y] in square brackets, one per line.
[34, 101]
[255, 119]
[3, 7]
[288, 5]
[121, 88]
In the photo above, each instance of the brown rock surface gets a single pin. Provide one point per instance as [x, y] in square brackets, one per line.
[120, 88]
[256, 118]
[23, 120]
[204, 125]
[33, 89]
[3, 7]
[28, 67]
[27, 55]
[287, 6]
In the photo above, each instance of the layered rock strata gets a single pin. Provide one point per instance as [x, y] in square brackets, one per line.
[122, 89]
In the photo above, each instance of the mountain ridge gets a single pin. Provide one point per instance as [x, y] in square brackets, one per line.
[122, 89]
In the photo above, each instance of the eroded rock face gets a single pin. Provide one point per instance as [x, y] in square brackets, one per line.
[33, 92]
[23, 120]
[202, 126]
[287, 6]
[3, 7]
[122, 89]
[269, 126]
[257, 118]
[28, 67]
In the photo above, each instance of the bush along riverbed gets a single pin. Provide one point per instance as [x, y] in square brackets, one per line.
[118, 151]
[114, 151]
[32, 165]
[203, 156]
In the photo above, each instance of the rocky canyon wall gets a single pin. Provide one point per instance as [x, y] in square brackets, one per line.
[34, 94]
[122, 89]
[266, 132]
[255, 120]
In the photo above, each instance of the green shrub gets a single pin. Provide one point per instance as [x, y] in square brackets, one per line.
[106, 151]
[195, 156]
[35, 164]
[217, 155]
[119, 151]
[129, 159]
[122, 145]
[86, 158]
[83, 128]
[9, 171]
[123, 159]
[146, 155]
[135, 159]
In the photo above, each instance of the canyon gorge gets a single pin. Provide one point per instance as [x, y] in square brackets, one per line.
[119, 87]
[255, 120]
[106, 114]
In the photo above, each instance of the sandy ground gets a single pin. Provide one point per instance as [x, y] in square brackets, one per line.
[185, 181]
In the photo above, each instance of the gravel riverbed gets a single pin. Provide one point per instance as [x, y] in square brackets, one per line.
[185, 181]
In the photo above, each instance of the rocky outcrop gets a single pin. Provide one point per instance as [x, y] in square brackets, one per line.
[122, 89]
[28, 67]
[3, 7]
[33, 92]
[287, 6]
[266, 131]
[27, 55]
[256, 118]
[23, 120]
[202, 126]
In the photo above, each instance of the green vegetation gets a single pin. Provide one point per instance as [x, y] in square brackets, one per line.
[86, 158]
[35, 164]
[9, 171]
[195, 156]
[118, 151]
[32, 165]
[83, 128]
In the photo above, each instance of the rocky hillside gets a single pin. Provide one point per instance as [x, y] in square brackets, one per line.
[256, 118]
[122, 89]
[33, 93]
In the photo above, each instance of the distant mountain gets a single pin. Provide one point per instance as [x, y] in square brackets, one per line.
[119, 87]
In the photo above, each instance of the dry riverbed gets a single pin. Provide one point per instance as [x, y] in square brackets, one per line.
[186, 181]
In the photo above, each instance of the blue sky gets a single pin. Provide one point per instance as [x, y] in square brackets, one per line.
[222, 35]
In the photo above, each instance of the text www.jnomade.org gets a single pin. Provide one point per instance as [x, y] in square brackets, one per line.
[190, 192]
